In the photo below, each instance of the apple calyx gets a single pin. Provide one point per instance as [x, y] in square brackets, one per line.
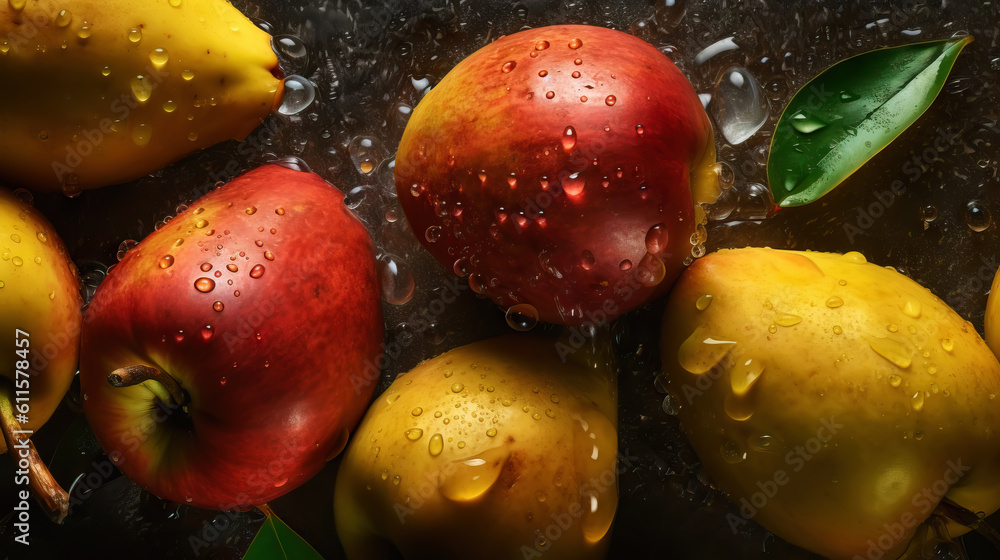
[950, 510]
[49, 494]
[163, 385]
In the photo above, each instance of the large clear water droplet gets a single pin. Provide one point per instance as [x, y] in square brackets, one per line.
[299, 94]
[739, 105]
[395, 279]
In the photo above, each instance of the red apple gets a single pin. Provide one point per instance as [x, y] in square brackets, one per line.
[560, 167]
[237, 337]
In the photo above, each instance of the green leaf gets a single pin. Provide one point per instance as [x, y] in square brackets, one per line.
[276, 541]
[847, 114]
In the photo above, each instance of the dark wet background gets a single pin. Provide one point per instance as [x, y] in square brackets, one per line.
[370, 62]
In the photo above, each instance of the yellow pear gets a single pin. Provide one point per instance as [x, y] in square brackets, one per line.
[497, 449]
[836, 402]
[99, 92]
[40, 321]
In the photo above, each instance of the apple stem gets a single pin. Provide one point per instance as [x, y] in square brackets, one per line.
[49, 494]
[948, 509]
[162, 384]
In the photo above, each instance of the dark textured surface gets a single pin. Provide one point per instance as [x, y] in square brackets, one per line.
[367, 61]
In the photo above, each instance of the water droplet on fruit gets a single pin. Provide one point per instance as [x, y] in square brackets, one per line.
[167, 261]
[550, 94]
[703, 302]
[651, 271]
[395, 279]
[947, 344]
[522, 317]
[469, 478]
[541, 45]
[573, 184]
[569, 138]
[543, 73]
[834, 302]
[142, 134]
[657, 239]
[435, 445]
[575, 44]
[134, 35]
[625, 265]
[912, 309]
[63, 18]
[269, 255]
[413, 434]
[207, 332]
[837, 329]
[204, 285]
[610, 100]
[787, 319]
[575, 74]
[508, 66]
[432, 234]
[457, 388]
[15, 238]
[917, 401]
[205, 267]
[639, 130]
[700, 352]
[299, 94]
[743, 377]
[159, 56]
[218, 306]
[257, 271]
[731, 453]
[587, 260]
[893, 350]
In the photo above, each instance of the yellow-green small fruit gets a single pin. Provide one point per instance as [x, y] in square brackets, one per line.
[496, 449]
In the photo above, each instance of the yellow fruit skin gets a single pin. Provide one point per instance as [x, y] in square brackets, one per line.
[551, 464]
[68, 126]
[42, 298]
[898, 426]
[992, 319]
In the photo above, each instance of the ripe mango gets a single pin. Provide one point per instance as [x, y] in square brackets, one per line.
[835, 401]
[103, 92]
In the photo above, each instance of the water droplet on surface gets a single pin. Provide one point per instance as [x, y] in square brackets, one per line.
[977, 216]
[457, 388]
[432, 234]
[731, 453]
[700, 352]
[395, 279]
[834, 302]
[166, 261]
[658, 239]
[947, 344]
[522, 317]
[142, 134]
[299, 94]
[508, 67]
[204, 285]
[541, 45]
[134, 35]
[188, 75]
[610, 100]
[550, 94]
[787, 320]
[575, 44]
[739, 105]
[470, 478]
[63, 18]
[893, 350]
[257, 271]
[17, 261]
[142, 88]
[413, 434]
[703, 302]
[639, 130]
[670, 405]
[573, 184]
[569, 139]
[159, 57]
[207, 332]
[743, 377]
[807, 124]
[435, 445]
[625, 265]
[218, 306]
[917, 401]
[912, 308]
